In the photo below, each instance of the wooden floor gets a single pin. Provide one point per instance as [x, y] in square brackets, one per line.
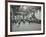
[26, 27]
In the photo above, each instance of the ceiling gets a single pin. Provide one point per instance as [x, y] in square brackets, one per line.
[22, 9]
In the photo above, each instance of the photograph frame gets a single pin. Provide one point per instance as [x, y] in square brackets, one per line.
[6, 17]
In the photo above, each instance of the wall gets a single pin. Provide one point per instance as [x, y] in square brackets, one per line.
[2, 19]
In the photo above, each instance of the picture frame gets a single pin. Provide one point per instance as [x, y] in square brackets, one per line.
[8, 27]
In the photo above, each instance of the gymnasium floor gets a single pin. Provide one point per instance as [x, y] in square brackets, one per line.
[26, 27]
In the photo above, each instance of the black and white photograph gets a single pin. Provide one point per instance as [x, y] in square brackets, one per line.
[25, 18]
